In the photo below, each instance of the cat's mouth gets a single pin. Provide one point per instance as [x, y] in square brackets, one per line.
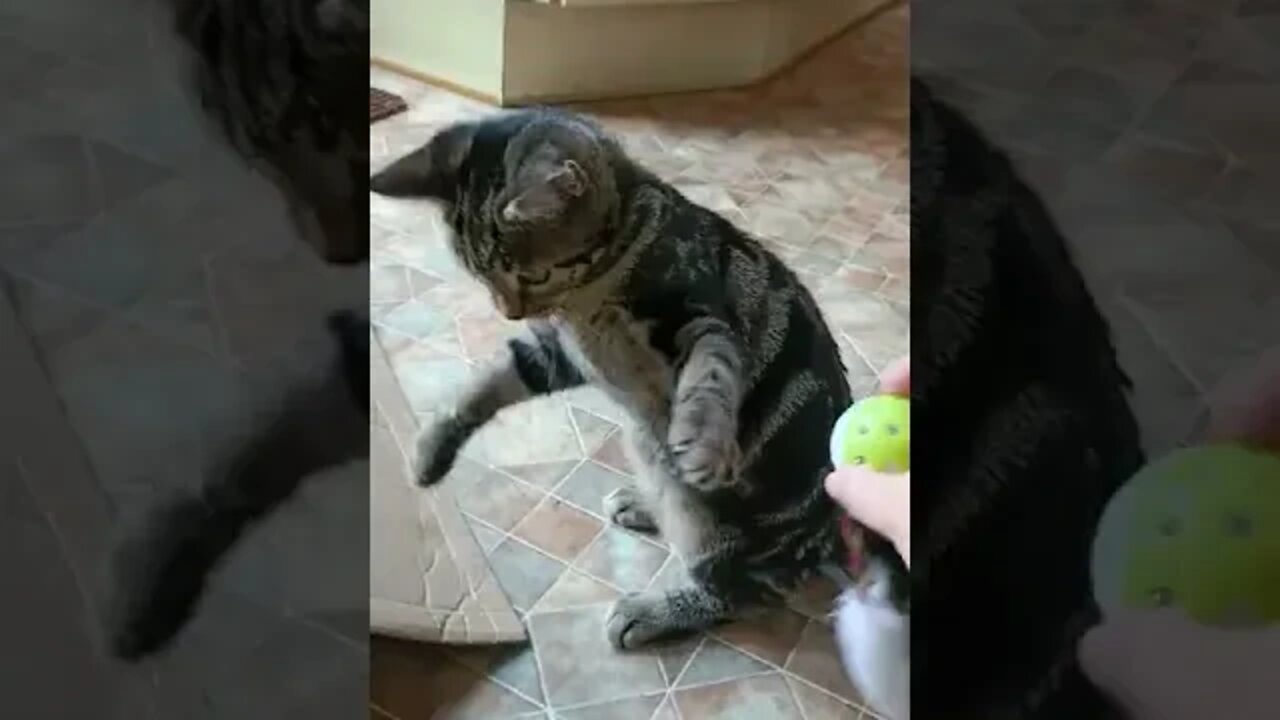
[516, 304]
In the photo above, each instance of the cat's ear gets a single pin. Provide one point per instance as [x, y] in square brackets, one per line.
[544, 191]
[431, 171]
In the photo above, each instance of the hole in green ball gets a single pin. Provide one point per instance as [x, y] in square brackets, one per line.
[863, 429]
[891, 429]
[1170, 527]
[1161, 596]
[1239, 525]
[859, 460]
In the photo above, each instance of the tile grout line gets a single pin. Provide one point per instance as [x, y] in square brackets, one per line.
[593, 513]
[508, 535]
[453, 653]
[791, 692]
[671, 688]
[577, 431]
[568, 565]
[118, 316]
[792, 653]
[537, 664]
[1131, 306]
[814, 686]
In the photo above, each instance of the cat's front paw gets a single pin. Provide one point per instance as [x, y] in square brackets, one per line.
[437, 449]
[637, 619]
[703, 443]
[705, 461]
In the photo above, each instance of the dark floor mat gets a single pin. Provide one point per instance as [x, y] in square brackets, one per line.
[383, 104]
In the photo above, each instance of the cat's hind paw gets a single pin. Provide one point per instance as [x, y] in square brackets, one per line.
[437, 450]
[625, 508]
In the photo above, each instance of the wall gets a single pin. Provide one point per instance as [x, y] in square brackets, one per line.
[569, 52]
[633, 47]
[796, 26]
[458, 42]
[527, 51]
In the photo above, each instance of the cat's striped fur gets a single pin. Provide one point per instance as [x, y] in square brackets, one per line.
[713, 346]
[1020, 408]
[278, 79]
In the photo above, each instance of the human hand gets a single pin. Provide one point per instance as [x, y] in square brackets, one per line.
[1163, 665]
[879, 501]
[1245, 407]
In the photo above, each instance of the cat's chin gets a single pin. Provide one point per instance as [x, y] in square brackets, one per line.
[526, 314]
[522, 310]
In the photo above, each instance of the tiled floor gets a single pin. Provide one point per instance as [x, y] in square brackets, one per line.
[815, 163]
[1149, 129]
[151, 269]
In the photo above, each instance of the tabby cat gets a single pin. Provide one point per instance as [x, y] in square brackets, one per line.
[714, 348]
[1020, 407]
[277, 78]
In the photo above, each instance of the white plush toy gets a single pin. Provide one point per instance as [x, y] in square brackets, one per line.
[873, 636]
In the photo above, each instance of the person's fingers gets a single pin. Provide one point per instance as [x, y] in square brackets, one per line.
[1107, 651]
[1098, 654]
[1141, 659]
[1246, 406]
[1111, 657]
[847, 485]
[877, 500]
[896, 379]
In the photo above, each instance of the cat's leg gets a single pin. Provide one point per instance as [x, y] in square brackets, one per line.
[718, 591]
[704, 415]
[161, 563]
[531, 368]
[633, 506]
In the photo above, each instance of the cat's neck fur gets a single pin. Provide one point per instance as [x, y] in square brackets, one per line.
[631, 218]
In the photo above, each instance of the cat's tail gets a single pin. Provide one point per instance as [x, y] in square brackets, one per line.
[874, 639]
[159, 569]
[158, 573]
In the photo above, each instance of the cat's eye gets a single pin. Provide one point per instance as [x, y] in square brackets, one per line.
[859, 460]
[1170, 527]
[891, 429]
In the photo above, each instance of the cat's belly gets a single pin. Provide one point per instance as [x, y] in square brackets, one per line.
[682, 516]
[614, 352]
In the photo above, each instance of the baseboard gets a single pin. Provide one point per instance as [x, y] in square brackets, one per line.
[433, 80]
[557, 51]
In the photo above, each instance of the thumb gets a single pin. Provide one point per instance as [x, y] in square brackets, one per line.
[1103, 657]
[855, 487]
[1126, 656]
[871, 497]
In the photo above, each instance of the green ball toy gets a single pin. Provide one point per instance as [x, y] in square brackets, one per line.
[1198, 530]
[875, 431]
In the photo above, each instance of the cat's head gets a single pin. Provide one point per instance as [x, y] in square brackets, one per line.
[529, 196]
